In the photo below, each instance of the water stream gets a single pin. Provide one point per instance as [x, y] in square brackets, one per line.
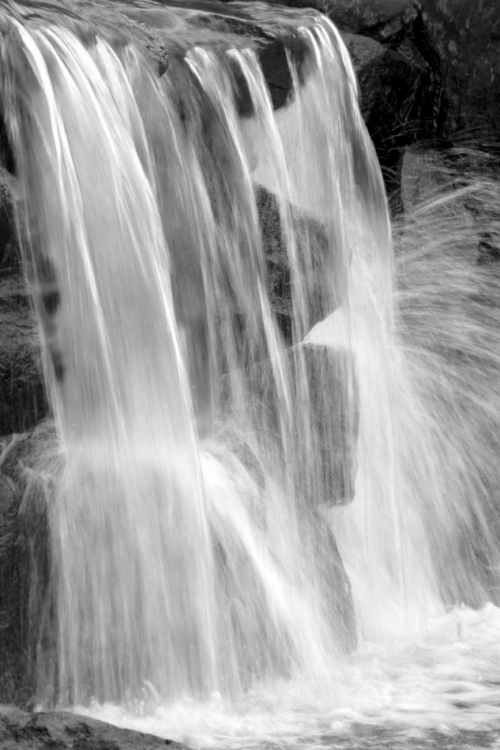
[204, 470]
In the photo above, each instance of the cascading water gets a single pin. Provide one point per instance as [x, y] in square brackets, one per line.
[188, 567]
[197, 457]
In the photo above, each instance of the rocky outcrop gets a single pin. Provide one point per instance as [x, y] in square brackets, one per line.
[20, 730]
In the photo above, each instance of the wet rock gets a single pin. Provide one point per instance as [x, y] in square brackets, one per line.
[336, 586]
[25, 603]
[466, 37]
[325, 420]
[169, 32]
[383, 18]
[324, 295]
[64, 731]
[459, 41]
[22, 395]
[392, 95]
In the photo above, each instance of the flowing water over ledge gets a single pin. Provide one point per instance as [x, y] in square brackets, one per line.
[197, 457]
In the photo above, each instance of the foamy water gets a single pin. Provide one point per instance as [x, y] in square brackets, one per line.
[446, 683]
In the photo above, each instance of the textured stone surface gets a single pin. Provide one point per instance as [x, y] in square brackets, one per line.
[393, 90]
[325, 470]
[324, 295]
[467, 39]
[64, 731]
[324, 465]
[22, 399]
[25, 603]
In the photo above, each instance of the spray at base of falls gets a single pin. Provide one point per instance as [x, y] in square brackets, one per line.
[427, 669]
[199, 566]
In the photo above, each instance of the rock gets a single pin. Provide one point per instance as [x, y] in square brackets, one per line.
[459, 41]
[466, 37]
[29, 468]
[392, 95]
[324, 295]
[320, 458]
[64, 731]
[169, 32]
[22, 394]
[26, 604]
[323, 384]
[336, 587]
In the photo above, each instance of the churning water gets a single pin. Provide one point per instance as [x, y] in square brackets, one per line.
[190, 489]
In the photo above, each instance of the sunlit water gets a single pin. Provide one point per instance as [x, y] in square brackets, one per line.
[197, 460]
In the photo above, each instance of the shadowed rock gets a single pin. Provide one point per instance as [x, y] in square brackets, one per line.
[325, 285]
[25, 604]
[22, 395]
[65, 731]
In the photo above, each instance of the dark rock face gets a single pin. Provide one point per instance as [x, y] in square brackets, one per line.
[64, 731]
[325, 471]
[312, 241]
[435, 75]
[393, 91]
[381, 17]
[398, 69]
[25, 603]
[466, 37]
[22, 395]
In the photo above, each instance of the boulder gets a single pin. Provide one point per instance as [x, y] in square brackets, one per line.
[20, 730]
[324, 290]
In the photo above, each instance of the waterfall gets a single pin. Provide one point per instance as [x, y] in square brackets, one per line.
[191, 552]
[244, 379]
